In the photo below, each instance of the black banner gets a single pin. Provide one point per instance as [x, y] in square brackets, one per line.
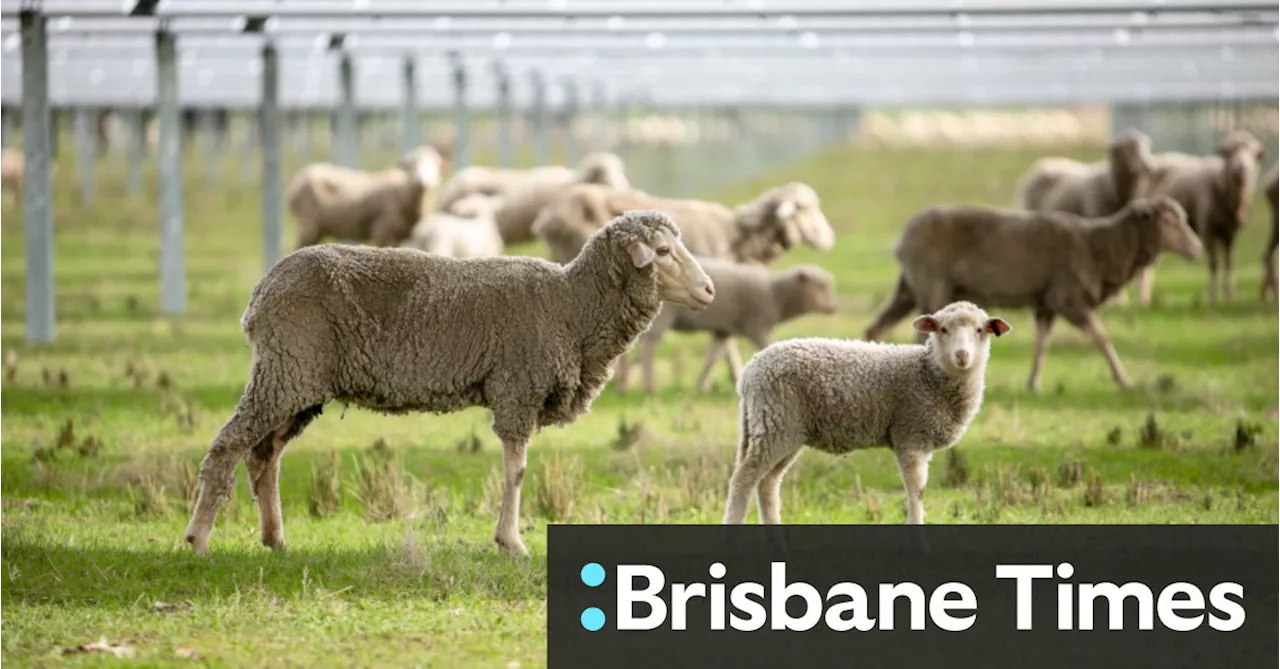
[1039, 596]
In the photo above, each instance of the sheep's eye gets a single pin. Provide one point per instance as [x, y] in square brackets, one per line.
[979, 330]
[664, 250]
[944, 331]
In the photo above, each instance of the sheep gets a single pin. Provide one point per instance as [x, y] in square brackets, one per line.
[1271, 189]
[1094, 189]
[750, 302]
[12, 170]
[759, 231]
[839, 395]
[398, 330]
[756, 231]
[1217, 193]
[1054, 262]
[466, 231]
[327, 200]
[526, 192]
[1091, 190]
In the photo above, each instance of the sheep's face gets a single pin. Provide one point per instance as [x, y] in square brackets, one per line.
[815, 288]
[425, 165]
[1241, 142]
[680, 278]
[1131, 153]
[960, 335]
[798, 213]
[1175, 234]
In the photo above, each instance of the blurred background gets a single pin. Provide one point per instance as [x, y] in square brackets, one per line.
[694, 95]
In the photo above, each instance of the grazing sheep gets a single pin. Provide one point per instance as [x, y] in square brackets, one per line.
[757, 231]
[327, 200]
[1091, 190]
[750, 302]
[466, 231]
[398, 330]
[1217, 193]
[1271, 189]
[1054, 262]
[12, 170]
[838, 396]
[526, 192]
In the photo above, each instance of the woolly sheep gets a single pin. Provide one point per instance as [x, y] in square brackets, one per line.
[467, 231]
[750, 302]
[398, 330]
[1271, 189]
[525, 192]
[1094, 189]
[839, 395]
[1217, 193]
[1053, 262]
[756, 231]
[328, 200]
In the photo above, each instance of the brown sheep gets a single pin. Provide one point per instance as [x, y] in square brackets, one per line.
[1217, 193]
[750, 302]
[1271, 189]
[327, 200]
[399, 331]
[12, 170]
[525, 192]
[1091, 190]
[1054, 262]
[757, 231]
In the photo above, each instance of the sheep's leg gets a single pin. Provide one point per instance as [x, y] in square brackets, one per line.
[1228, 269]
[308, 233]
[900, 304]
[914, 467]
[263, 464]
[1269, 287]
[768, 493]
[1146, 285]
[735, 360]
[514, 460]
[648, 355]
[1044, 325]
[757, 456]
[622, 370]
[246, 428]
[1093, 327]
[714, 350]
[1211, 255]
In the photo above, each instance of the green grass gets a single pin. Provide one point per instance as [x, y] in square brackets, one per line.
[93, 519]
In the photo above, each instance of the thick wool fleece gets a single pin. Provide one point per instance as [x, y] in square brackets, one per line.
[398, 330]
[838, 396]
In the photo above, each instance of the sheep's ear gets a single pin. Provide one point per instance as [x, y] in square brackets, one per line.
[786, 209]
[925, 324]
[997, 326]
[803, 275]
[641, 254]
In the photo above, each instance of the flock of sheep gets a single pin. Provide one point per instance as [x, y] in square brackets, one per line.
[433, 317]
[448, 321]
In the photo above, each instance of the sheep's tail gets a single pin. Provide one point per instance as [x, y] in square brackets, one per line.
[900, 304]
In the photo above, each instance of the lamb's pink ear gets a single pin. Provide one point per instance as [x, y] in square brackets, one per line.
[925, 324]
[641, 254]
[997, 326]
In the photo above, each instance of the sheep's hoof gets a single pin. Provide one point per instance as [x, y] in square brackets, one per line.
[198, 546]
[512, 545]
[274, 544]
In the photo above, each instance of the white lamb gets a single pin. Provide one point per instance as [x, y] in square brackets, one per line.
[467, 230]
[840, 395]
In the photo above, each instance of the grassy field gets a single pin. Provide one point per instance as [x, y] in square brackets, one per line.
[389, 519]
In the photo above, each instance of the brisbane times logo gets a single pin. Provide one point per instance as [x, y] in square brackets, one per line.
[988, 596]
